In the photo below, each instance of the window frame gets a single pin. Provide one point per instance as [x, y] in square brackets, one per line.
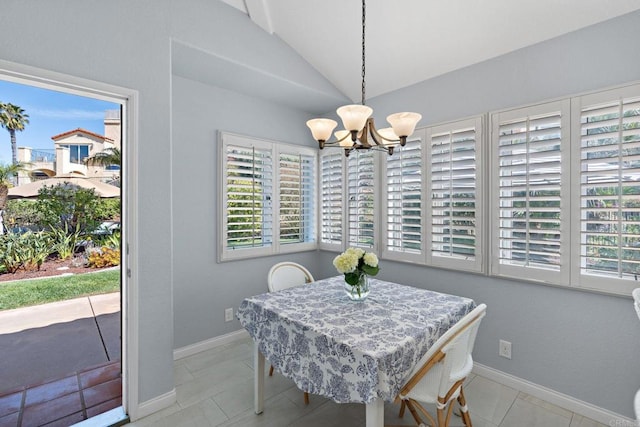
[595, 282]
[385, 252]
[274, 148]
[560, 277]
[475, 264]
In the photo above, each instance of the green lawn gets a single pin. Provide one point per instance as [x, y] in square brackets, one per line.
[41, 291]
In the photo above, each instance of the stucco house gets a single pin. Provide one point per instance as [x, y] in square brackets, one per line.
[70, 151]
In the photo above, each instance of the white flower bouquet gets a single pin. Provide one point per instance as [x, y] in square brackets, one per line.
[354, 262]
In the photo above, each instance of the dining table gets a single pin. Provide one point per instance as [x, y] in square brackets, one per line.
[348, 351]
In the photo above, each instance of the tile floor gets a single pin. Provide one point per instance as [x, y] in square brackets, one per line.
[215, 388]
[65, 401]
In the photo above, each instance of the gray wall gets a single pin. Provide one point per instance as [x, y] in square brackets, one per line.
[203, 288]
[129, 44]
[582, 344]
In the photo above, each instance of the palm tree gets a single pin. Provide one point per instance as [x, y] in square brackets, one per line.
[13, 118]
[108, 157]
[7, 173]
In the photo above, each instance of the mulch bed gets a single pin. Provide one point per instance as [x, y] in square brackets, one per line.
[49, 268]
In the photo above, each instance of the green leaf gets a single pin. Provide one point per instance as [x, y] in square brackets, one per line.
[371, 271]
[352, 278]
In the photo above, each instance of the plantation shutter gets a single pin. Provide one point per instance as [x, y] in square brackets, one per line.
[297, 198]
[610, 188]
[531, 209]
[331, 189]
[248, 185]
[361, 191]
[455, 190]
[404, 204]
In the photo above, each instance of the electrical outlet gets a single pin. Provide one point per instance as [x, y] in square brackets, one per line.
[228, 314]
[505, 349]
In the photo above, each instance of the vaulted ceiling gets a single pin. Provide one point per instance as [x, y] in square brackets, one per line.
[408, 41]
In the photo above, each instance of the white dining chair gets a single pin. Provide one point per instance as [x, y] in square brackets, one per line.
[285, 275]
[636, 300]
[439, 375]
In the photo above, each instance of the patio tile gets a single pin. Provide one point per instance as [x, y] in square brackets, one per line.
[51, 390]
[10, 403]
[47, 412]
[10, 420]
[104, 407]
[99, 375]
[102, 392]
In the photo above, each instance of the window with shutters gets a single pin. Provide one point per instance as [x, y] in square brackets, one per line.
[403, 210]
[331, 203]
[607, 191]
[456, 194]
[296, 180]
[268, 197]
[361, 188]
[531, 177]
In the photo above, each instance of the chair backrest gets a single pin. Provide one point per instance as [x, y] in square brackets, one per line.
[453, 350]
[287, 275]
[636, 300]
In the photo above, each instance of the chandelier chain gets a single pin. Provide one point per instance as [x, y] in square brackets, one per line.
[363, 51]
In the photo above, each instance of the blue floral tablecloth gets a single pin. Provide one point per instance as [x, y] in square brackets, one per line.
[346, 350]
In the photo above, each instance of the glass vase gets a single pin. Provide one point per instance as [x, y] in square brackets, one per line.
[360, 290]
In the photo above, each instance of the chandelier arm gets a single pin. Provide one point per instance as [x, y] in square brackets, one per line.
[337, 141]
[376, 135]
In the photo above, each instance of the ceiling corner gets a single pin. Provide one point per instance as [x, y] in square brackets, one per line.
[258, 11]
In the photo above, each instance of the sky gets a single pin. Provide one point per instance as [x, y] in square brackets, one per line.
[50, 113]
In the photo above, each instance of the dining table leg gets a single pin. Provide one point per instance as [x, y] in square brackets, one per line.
[375, 413]
[258, 379]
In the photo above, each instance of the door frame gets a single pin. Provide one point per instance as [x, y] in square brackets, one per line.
[128, 99]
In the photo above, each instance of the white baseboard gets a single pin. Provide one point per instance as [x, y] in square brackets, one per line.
[214, 342]
[567, 402]
[154, 405]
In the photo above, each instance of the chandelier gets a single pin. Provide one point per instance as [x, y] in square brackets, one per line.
[359, 131]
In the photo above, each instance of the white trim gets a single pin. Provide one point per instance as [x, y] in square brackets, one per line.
[128, 98]
[156, 404]
[569, 403]
[214, 342]
[109, 418]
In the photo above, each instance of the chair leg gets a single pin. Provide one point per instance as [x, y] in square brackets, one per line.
[403, 406]
[464, 411]
[306, 398]
[414, 413]
[271, 371]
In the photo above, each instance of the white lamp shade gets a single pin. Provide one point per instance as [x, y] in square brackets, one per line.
[347, 142]
[354, 117]
[321, 128]
[404, 123]
[390, 137]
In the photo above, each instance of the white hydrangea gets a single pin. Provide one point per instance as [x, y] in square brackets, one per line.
[355, 251]
[346, 262]
[371, 259]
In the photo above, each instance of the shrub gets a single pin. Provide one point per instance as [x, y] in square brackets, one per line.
[109, 240]
[108, 209]
[27, 251]
[103, 257]
[64, 242]
[67, 206]
[22, 214]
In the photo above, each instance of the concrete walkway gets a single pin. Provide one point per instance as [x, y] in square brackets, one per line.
[51, 341]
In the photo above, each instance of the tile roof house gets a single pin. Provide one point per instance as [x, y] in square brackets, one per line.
[71, 150]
